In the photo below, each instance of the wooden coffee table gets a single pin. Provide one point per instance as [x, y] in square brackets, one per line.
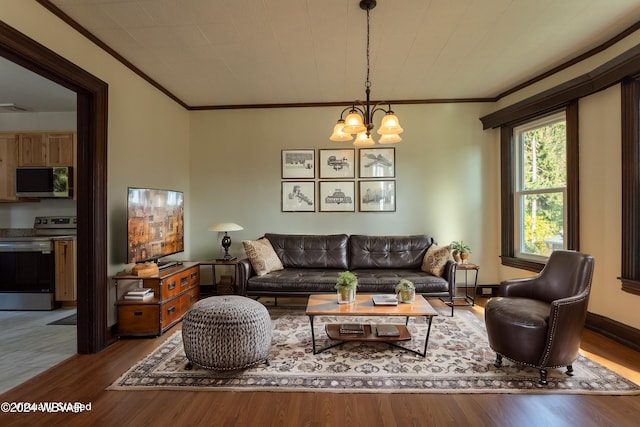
[327, 305]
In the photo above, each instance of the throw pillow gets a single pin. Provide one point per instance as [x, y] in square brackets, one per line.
[262, 256]
[435, 259]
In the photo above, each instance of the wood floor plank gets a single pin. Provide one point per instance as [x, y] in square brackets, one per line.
[84, 378]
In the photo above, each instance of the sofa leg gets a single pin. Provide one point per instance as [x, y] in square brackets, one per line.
[498, 362]
[543, 377]
[570, 370]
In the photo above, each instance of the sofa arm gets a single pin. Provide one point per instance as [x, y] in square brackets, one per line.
[449, 275]
[245, 270]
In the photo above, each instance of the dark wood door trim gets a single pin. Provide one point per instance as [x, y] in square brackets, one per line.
[93, 334]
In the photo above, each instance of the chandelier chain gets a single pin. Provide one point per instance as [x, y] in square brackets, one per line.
[367, 83]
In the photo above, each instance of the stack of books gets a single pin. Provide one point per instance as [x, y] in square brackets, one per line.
[352, 328]
[387, 331]
[385, 299]
[141, 294]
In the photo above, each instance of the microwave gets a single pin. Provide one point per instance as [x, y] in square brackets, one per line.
[44, 182]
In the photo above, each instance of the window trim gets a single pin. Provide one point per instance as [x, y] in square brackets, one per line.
[629, 263]
[507, 157]
[519, 190]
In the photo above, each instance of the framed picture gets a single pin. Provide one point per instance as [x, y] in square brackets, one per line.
[377, 162]
[337, 196]
[298, 196]
[377, 196]
[298, 164]
[337, 163]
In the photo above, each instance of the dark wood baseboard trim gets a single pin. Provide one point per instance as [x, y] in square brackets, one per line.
[617, 331]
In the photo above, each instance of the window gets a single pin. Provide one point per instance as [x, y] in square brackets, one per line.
[531, 230]
[541, 186]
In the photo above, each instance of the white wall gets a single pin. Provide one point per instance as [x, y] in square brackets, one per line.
[446, 177]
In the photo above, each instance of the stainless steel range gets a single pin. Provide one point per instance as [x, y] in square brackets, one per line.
[27, 263]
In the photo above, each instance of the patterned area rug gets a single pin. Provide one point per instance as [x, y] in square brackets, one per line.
[458, 360]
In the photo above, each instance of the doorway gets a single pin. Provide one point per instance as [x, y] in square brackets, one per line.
[92, 97]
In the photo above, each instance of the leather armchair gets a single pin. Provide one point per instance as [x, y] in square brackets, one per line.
[538, 321]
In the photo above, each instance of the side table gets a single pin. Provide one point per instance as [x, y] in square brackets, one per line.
[225, 284]
[469, 299]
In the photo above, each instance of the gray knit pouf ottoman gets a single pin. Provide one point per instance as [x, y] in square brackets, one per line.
[226, 332]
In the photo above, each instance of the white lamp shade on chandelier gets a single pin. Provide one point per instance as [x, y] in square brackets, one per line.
[359, 120]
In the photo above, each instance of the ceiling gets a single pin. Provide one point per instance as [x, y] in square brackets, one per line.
[248, 52]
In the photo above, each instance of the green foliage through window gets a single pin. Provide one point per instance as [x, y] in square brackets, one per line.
[542, 181]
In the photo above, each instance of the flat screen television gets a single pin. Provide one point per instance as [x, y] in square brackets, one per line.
[155, 224]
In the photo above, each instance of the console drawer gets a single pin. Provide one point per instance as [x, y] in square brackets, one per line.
[139, 319]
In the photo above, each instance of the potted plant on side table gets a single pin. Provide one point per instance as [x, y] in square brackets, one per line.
[346, 285]
[460, 251]
[406, 291]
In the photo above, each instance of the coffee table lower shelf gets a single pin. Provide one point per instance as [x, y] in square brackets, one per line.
[333, 332]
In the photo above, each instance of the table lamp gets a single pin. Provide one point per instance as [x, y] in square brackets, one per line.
[226, 240]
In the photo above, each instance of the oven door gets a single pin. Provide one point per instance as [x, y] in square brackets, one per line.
[27, 280]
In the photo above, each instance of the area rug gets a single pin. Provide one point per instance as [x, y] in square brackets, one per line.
[69, 320]
[458, 360]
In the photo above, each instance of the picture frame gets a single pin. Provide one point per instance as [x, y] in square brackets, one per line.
[377, 162]
[377, 196]
[298, 164]
[298, 196]
[337, 196]
[337, 164]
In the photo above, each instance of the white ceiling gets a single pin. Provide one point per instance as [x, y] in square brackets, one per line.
[245, 52]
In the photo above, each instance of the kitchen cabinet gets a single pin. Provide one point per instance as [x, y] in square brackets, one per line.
[61, 148]
[65, 269]
[34, 149]
[8, 163]
[46, 149]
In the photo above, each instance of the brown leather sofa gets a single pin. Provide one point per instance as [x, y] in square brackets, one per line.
[312, 264]
[538, 321]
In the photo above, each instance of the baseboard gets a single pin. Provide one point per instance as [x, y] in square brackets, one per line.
[617, 331]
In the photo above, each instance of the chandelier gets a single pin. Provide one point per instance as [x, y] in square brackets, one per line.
[359, 120]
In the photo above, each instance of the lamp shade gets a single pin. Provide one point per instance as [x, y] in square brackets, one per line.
[353, 123]
[226, 226]
[390, 125]
[338, 134]
[389, 139]
[363, 140]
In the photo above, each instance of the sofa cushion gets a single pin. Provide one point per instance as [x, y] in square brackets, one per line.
[310, 251]
[385, 280]
[388, 251]
[317, 280]
[436, 259]
[262, 256]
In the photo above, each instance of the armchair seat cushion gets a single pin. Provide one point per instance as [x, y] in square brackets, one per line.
[517, 328]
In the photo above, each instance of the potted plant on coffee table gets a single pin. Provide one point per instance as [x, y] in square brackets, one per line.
[346, 285]
[406, 291]
[460, 251]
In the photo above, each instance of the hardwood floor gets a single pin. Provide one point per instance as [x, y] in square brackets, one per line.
[83, 378]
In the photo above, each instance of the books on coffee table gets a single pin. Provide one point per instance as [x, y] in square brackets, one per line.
[351, 328]
[385, 299]
[387, 331]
